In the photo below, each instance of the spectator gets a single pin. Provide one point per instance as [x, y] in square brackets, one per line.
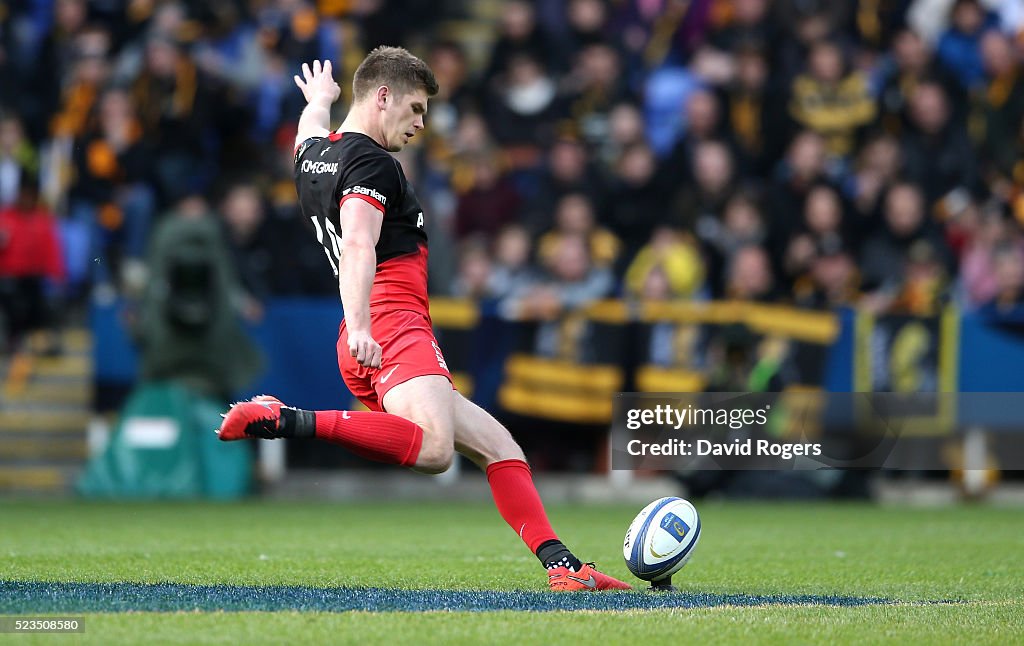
[381, 23]
[511, 271]
[272, 97]
[228, 52]
[749, 24]
[924, 286]
[1013, 191]
[175, 107]
[455, 92]
[801, 25]
[451, 170]
[661, 33]
[473, 280]
[574, 216]
[797, 265]
[668, 266]
[959, 229]
[912, 62]
[655, 286]
[886, 254]
[50, 65]
[252, 245]
[666, 269]
[570, 281]
[822, 228]
[111, 195]
[750, 276]
[756, 112]
[876, 169]
[664, 90]
[59, 47]
[636, 202]
[167, 21]
[741, 225]
[978, 282]
[295, 30]
[877, 25]
[698, 207]
[834, 281]
[491, 202]
[568, 170]
[17, 158]
[587, 24]
[960, 45]
[929, 18]
[81, 86]
[938, 155]
[832, 100]
[594, 87]
[824, 217]
[1002, 110]
[802, 169]
[519, 36]
[31, 264]
[10, 81]
[703, 123]
[1008, 266]
[625, 129]
[522, 113]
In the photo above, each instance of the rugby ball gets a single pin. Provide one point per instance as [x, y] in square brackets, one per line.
[661, 538]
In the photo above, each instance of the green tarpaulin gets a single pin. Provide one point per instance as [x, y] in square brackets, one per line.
[164, 446]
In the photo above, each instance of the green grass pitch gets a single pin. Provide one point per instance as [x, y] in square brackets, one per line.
[775, 573]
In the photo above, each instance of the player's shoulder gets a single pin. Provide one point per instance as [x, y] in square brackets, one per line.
[351, 156]
[309, 145]
[338, 145]
[354, 145]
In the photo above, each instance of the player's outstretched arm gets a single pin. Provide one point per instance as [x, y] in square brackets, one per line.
[360, 223]
[320, 91]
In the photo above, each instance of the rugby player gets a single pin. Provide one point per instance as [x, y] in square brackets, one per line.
[371, 225]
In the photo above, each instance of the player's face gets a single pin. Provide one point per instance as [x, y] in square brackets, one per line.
[404, 118]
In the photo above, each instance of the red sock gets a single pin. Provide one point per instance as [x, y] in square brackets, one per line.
[518, 502]
[381, 437]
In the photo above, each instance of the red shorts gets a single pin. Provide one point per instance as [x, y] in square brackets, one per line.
[408, 349]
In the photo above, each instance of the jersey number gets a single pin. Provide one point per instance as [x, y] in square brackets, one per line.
[333, 250]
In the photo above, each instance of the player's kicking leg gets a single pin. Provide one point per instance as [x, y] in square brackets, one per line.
[482, 439]
[421, 436]
[426, 422]
[375, 436]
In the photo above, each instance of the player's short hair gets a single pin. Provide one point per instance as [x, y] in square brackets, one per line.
[394, 67]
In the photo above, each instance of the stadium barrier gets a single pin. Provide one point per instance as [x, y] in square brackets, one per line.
[566, 370]
[838, 351]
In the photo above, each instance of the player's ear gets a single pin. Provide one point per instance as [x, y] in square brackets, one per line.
[383, 96]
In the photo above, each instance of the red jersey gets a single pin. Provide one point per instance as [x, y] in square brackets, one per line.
[29, 244]
[344, 166]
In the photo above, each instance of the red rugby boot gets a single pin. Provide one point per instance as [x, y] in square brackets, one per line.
[256, 418]
[562, 579]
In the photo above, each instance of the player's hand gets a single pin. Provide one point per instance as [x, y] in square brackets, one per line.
[318, 83]
[362, 346]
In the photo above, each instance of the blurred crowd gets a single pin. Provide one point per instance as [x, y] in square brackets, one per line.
[822, 153]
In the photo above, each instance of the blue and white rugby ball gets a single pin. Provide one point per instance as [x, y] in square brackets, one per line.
[661, 538]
